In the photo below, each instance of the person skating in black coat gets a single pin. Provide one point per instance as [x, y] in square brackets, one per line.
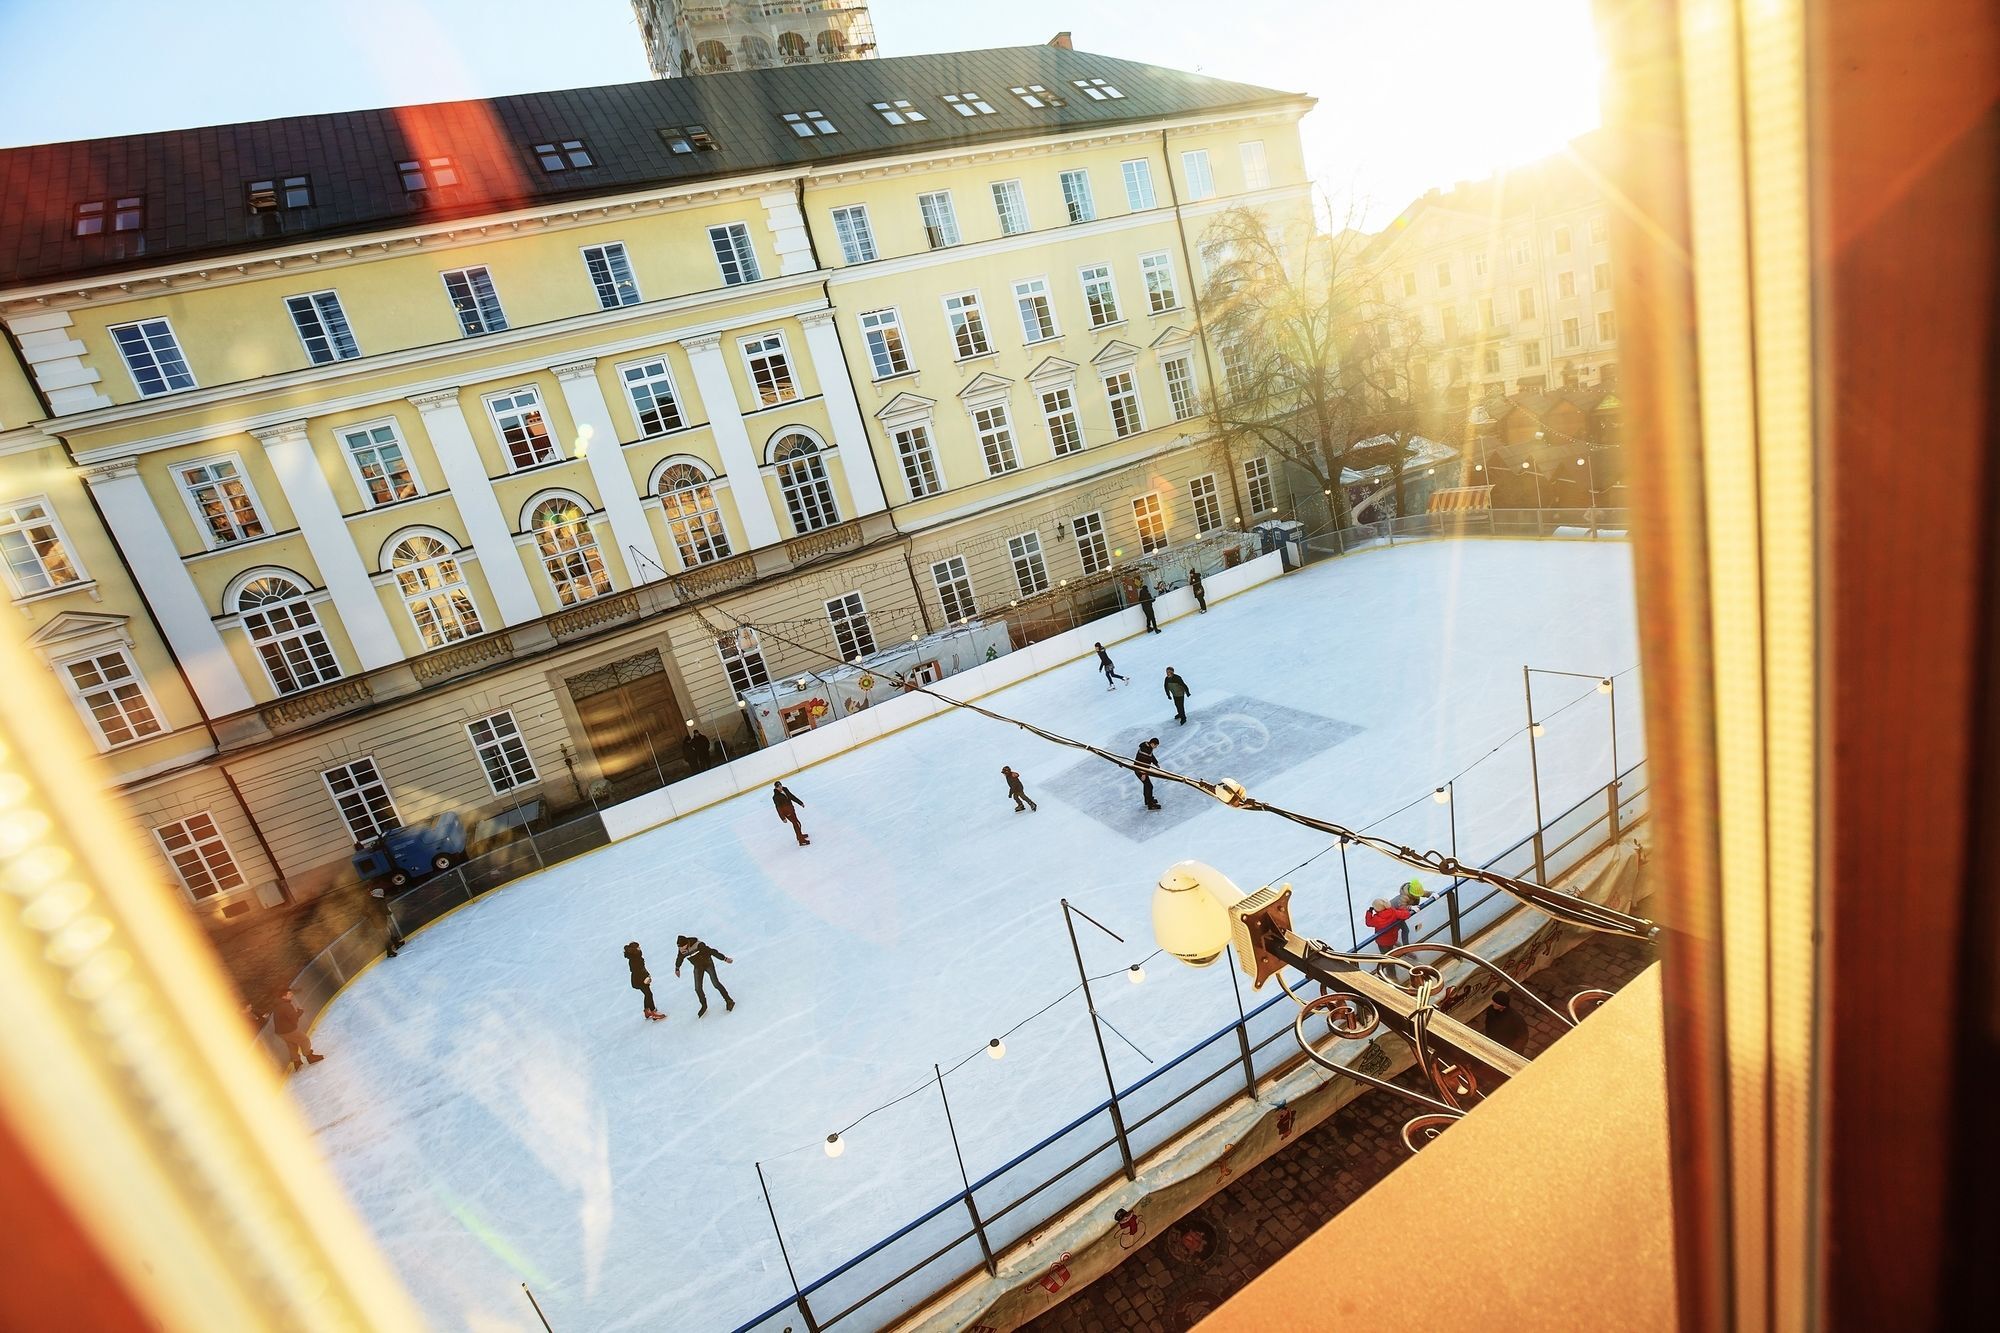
[1146, 757]
[1111, 676]
[787, 804]
[1178, 691]
[1146, 605]
[1200, 593]
[642, 977]
[1017, 791]
[703, 956]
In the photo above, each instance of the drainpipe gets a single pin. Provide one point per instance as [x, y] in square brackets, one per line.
[1200, 326]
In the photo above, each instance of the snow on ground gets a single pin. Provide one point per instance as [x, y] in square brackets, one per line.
[500, 1112]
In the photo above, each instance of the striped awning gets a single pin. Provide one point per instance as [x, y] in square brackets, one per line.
[1460, 498]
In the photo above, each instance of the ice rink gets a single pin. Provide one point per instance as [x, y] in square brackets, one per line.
[500, 1112]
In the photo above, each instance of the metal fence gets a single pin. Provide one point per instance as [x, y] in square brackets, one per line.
[1595, 523]
[971, 1227]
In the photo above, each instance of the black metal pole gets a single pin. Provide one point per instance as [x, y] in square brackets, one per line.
[978, 1227]
[1451, 900]
[538, 1307]
[1117, 1117]
[805, 1311]
[1242, 1026]
[1348, 884]
[1534, 774]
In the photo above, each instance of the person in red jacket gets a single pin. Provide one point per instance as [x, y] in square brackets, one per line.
[1387, 923]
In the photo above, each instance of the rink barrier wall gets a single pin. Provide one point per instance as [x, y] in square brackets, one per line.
[759, 769]
[1266, 1074]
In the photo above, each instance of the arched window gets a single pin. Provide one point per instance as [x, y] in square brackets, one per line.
[714, 55]
[569, 551]
[434, 590]
[286, 634]
[692, 515]
[792, 47]
[802, 477]
[756, 52]
[831, 43]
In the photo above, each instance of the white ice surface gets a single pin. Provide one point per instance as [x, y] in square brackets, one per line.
[500, 1112]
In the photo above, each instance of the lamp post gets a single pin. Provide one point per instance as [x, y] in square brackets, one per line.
[1117, 1117]
[1606, 686]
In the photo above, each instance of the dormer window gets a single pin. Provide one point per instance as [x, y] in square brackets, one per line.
[268, 196]
[430, 173]
[1097, 90]
[563, 155]
[899, 112]
[1035, 95]
[806, 124]
[94, 217]
[688, 139]
[968, 104]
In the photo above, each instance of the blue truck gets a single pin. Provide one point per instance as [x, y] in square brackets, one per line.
[404, 855]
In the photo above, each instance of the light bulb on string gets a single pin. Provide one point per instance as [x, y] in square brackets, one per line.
[1136, 973]
[1441, 795]
[835, 1145]
[1604, 685]
[1535, 728]
[995, 1049]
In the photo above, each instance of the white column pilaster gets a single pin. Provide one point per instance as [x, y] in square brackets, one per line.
[850, 433]
[732, 439]
[56, 359]
[585, 397]
[325, 530]
[491, 535]
[185, 620]
[788, 231]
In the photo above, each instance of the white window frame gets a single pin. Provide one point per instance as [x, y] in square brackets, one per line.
[617, 280]
[375, 827]
[856, 236]
[1256, 165]
[1531, 355]
[1525, 303]
[808, 124]
[1097, 90]
[200, 845]
[1035, 96]
[314, 656]
[1572, 332]
[80, 696]
[1139, 196]
[693, 514]
[1093, 548]
[515, 408]
[1151, 269]
[1100, 295]
[1183, 399]
[332, 332]
[853, 636]
[485, 309]
[1258, 482]
[1147, 511]
[939, 215]
[968, 104]
[1479, 264]
[1565, 284]
[1010, 194]
[1560, 241]
[1078, 203]
[1031, 567]
[650, 375]
[209, 538]
[888, 349]
[1600, 277]
[742, 253]
[12, 523]
[1064, 425]
[965, 317]
[1205, 504]
[163, 364]
[806, 485]
[898, 111]
[433, 599]
[738, 657]
[365, 431]
[917, 453]
[1198, 174]
[1600, 231]
[993, 427]
[1492, 361]
[576, 571]
[1604, 335]
[761, 344]
[504, 747]
[1130, 393]
[558, 155]
[1443, 274]
[1027, 289]
[953, 582]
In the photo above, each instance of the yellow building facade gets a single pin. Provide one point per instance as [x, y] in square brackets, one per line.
[432, 495]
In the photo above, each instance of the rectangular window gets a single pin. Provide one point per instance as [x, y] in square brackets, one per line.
[502, 751]
[898, 112]
[1444, 274]
[996, 439]
[1599, 231]
[563, 155]
[1091, 548]
[940, 219]
[882, 330]
[1235, 370]
[472, 296]
[1038, 317]
[322, 327]
[1195, 170]
[920, 469]
[1524, 301]
[1059, 411]
[1479, 263]
[610, 270]
[1207, 504]
[1097, 90]
[1409, 284]
[954, 589]
[808, 124]
[1158, 271]
[1565, 285]
[32, 547]
[153, 356]
[851, 635]
[1531, 354]
[1488, 317]
[1179, 374]
[1099, 296]
[1448, 323]
[1492, 361]
[968, 104]
[1524, 251]
[1256, 170]
[857, 238]
[1562, 240]
[1257, 485]
[430, 173]
[200, 858]
[655, 406]
[968, 325]
[1152, 524]
[1035, 95]
[111, 697]
[1076, 196]
[268, 196]
[523, 428]
[770, 369]
[1600, 278]
[742, 656]
[363, 800]
[127, 214]
[379, 460]
[1124, 396]
[733, 255]
[1012, 207]
[1138, 184]
[688, 139]
[1572, 332]
[1607, 327]
[1031, 572]
[222, 501]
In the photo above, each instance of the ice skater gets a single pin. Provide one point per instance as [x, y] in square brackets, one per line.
[1111, 676]
[703, 956]
[642, 978]
[379, 900]
[289, 1022]
[1387, 923]
[1017, 791]
[1178, 691]
[1146, 757]
[788, 804]
[1146, 605]
[1200, 593]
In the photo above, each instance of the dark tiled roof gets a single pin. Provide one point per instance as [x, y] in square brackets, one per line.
[193, 181]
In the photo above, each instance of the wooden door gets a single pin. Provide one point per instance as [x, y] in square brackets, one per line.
[631, 719]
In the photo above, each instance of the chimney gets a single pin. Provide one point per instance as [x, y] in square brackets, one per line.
[1062, 41]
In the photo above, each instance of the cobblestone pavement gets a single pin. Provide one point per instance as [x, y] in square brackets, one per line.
[1201, 1260]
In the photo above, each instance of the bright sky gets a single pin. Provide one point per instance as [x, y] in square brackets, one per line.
[1412, 93]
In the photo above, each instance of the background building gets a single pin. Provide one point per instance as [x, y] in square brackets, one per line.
[713, 36]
